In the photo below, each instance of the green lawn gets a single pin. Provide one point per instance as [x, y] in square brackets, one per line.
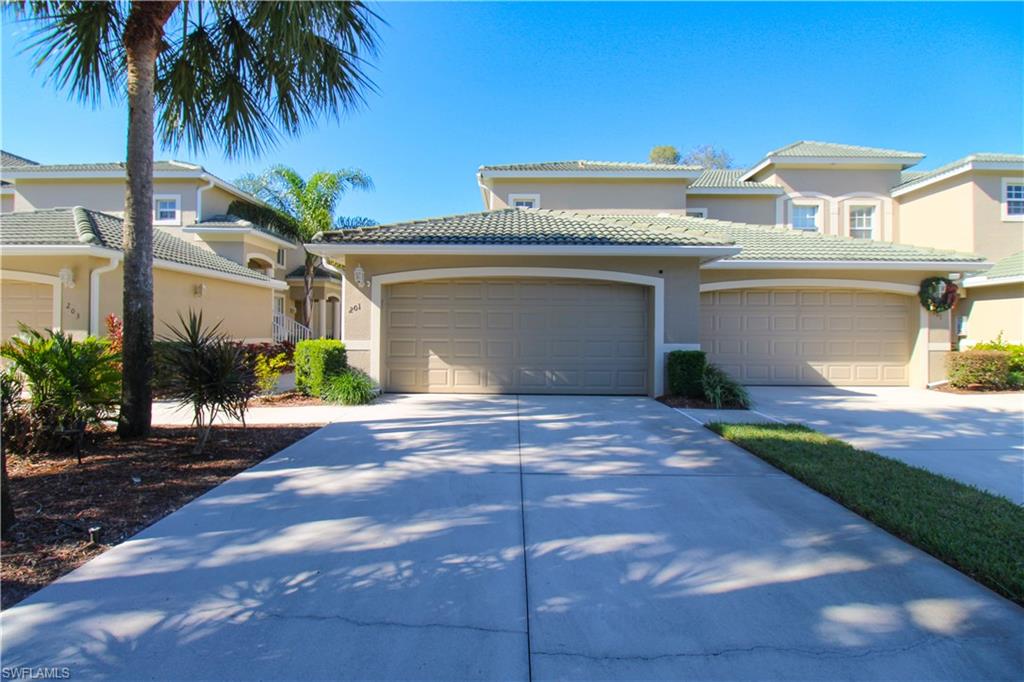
[976, 532]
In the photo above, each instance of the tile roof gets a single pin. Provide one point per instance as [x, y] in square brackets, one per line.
[768, 242]
[729, 178]
[512, 226]
[909, 179]
[582, 165]
[319, 272]
[80, 226]
[104, 166]
[232, 221]
[1011, 266]
[844, 151]
[9, 160]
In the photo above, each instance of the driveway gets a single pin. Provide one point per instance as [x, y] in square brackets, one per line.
[515, 538]
[974, 438]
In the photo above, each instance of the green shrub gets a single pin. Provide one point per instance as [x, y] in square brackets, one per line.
[1015, 380]
[72, 384]
[212, 374]
[685, 369]
[983, 368]
[317, 360]
[1016, 351]
[721, 390]
[268, 370]
[351, 388]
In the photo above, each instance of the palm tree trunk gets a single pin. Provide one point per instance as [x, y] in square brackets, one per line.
[307, 294]
[6, 503]
[142, 37]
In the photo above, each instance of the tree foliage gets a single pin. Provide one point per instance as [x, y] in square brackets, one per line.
[664, 154]
[708, 156]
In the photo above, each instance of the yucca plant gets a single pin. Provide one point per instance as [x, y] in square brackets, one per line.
[72, 384]
[210, 373]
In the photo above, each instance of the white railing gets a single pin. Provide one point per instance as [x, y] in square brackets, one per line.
[287, 329]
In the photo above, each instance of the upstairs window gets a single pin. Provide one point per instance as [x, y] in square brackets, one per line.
[862, 222]
[280, 257]
[167, 209]
[805, 217]
[696, 213]
[524, 200]
[1013, 199]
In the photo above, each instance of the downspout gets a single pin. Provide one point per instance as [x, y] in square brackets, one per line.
[199, 198]
[94, 293]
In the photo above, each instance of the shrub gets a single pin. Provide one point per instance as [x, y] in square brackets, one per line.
[72, 384]
[685, 369]
[1015, 380]
[1016, 351]
[268, 370]
[721, 390]
[286, 348]
[353, 387]
[115, 332]
[982, 368]
[212, 374]
[317, 360]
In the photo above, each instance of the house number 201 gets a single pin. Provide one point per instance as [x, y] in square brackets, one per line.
[355, 308]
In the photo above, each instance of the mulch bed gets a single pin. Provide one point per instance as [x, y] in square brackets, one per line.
[691, 403]
[122, 487]
[946, 388]
[287, 399]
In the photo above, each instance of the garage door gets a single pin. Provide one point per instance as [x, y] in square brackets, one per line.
[516, 336]
[809, 336]
[27, 302]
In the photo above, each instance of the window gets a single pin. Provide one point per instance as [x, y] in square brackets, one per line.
[1013, 199]
[279, 305]
[167, 209]
[696, 213]
[805, 217]
[862, 222]
[524, 200]
[280, 257]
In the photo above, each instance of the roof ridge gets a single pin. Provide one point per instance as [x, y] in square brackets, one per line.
[84, 226]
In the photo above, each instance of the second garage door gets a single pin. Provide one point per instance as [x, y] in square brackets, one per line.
[516, 336]
[809, 336]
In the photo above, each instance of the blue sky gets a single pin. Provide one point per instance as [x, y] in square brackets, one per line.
[464, 84]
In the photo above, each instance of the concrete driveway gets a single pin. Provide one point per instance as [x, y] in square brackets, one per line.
[515, 538]
[974, 438]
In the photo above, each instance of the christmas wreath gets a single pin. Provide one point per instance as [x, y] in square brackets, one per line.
[937, 294]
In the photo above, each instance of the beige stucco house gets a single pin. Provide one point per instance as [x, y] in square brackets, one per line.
[191, 205]
[579, 276]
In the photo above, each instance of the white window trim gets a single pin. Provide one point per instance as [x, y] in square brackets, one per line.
[1004, 204]
[512, 198]
[281, 258]
[876, 217]
[693, 209]
[177, 202]
[818, 203]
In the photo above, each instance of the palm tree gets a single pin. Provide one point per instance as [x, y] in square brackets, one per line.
[299, 208]
[233, 74]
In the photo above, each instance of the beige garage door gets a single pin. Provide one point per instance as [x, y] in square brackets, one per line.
[516, 336]
[27, 302]
[809, 336]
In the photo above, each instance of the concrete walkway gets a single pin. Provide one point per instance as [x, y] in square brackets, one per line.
[515, 538]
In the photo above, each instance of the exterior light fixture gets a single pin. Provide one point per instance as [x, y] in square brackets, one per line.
[67, 277]
[199, 290]
[360, 276]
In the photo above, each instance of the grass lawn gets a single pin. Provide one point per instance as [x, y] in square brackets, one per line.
[978, 533]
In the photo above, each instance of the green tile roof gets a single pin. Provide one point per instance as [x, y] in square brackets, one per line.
[582, 165]
[1011, 266]
[513, 226]
[80, 226]
[768, 242]
[227, 220]
[728, 178]
[9, 160]
[842, 151]
[319, 272]
[909, 179]
[103, 167]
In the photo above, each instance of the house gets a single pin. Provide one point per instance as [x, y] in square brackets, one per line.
[62, 268]
[191, 205]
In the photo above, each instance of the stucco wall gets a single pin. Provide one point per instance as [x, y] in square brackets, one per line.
[627, 196]
[106, 195]
[994, 309]
[994, 237]
[940, 215]
[7, 203]
[835, 181]
[757, 210]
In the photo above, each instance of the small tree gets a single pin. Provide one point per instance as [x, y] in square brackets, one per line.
[708, 156]
[664, 154]
[301, 208]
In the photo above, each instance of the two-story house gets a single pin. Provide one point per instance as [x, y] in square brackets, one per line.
[579, 276]
[244, 274]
